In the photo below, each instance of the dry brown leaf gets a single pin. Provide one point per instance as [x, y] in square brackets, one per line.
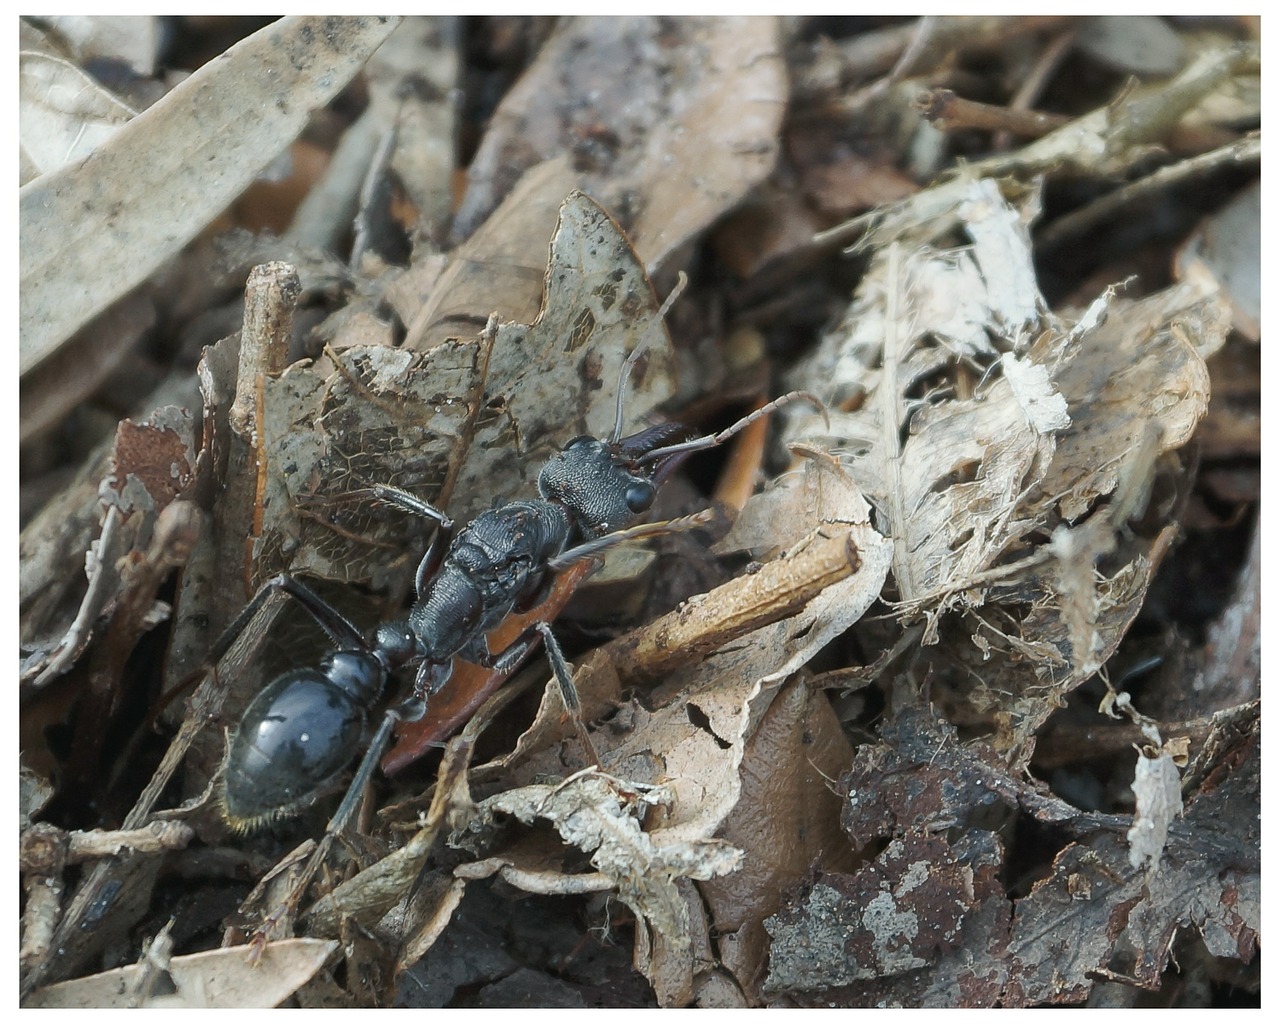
[150, 466]
[786, 822]
[501, 268]
[63, 114]
[672, 120]
[1078, 419]
[92, 231]
[218, 978]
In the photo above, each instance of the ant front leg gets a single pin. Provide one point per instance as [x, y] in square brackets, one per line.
[439, 543]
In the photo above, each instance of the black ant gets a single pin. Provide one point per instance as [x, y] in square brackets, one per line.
[303, 728]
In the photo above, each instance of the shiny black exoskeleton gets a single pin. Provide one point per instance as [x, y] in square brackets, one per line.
[306, 726]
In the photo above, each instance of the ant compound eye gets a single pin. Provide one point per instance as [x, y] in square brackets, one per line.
[640, 495]
[574, 442]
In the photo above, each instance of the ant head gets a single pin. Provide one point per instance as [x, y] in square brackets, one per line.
[602, 488]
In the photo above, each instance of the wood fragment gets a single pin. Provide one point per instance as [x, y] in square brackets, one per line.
[270, 297]
[1074, 224]
[709, 621]
[945, 110]
[46, 849]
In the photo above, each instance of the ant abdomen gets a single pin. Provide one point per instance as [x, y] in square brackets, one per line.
[298, 735]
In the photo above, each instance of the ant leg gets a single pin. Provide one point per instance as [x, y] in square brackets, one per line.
[443, 535]
[563, 671]
[508, 659]
[560, 668]
[340, 629]
[698, 444]
[591, 548]
[408, 710]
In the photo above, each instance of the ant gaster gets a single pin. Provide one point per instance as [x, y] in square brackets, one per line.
[303, 729]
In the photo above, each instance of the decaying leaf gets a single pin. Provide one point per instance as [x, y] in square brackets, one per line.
[851, 754]
[1157, 787]
[1067, 419]
[219, 978]
[380, 415]
[949, 934]
[893, 917]
[658, 111]
[67, 277]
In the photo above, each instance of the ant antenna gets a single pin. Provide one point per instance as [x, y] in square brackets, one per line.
[711, 440]
[591, 548]
[630, 361]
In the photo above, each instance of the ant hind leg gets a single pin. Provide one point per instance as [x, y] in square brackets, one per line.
[340, 629]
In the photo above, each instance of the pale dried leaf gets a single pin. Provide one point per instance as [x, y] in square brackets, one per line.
[1044, 407]
[674, 119]
[707, 711]
[597, 813]
[1077, 552]
[63, 114]
[1002, 251]
[500, 269]
[1137, 386]
[92, 231]
[221, 978]
[1157, 788]
[950, 301]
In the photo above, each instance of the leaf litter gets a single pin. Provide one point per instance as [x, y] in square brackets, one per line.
[863, 764]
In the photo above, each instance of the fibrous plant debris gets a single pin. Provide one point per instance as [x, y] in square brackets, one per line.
[952, 702]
